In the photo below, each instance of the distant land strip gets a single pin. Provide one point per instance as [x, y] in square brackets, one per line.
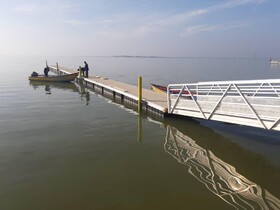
[189, 57]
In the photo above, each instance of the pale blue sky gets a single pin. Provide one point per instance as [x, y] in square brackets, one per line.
[242, 28]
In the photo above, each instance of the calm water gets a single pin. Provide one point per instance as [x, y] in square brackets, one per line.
[64, 148]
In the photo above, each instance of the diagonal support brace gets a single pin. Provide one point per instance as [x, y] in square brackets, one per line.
[250, 107]
[214, 109]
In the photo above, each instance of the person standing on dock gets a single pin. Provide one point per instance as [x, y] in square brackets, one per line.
[46, 71]
[86, 69]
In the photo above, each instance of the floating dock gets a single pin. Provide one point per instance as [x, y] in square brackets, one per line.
[151, 101]
[253, 103]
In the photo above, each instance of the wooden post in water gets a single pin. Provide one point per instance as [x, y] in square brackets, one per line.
[139, 94]
[57, 69]
[80, 72]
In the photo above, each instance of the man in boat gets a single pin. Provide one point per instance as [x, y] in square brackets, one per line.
[86, 69]
[46, 71]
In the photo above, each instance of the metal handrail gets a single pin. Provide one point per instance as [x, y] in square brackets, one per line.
[191, 100]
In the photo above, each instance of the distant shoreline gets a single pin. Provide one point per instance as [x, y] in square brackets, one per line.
[187, 57]
[144, 56]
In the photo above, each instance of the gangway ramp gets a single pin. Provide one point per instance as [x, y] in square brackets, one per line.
[249, 102]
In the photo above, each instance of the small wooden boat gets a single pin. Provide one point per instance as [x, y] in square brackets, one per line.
[54, 78]
[163, 89]
[158, 88]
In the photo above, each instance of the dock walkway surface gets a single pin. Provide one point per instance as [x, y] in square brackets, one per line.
[151, 101]
[253, 103]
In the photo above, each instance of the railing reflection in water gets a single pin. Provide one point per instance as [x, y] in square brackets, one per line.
[218, 176]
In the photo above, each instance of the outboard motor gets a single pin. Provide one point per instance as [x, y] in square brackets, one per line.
[34, 74]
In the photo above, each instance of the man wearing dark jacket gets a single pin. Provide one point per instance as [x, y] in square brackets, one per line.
[86, 69]
[46, 71]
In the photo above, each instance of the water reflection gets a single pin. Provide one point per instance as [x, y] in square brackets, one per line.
[48, 89]
[219, 177]
[275, 67]
[139, 127]
[84, 93]
[48, 86]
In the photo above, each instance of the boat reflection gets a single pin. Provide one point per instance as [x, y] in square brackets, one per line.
[84, 94]
[219, 177]
[49, 85]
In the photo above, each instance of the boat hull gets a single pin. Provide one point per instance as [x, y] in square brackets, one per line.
[60, 78]
[158, 88]
[163, 89]
[275, 62]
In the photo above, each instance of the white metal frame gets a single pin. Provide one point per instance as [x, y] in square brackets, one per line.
[247, 102]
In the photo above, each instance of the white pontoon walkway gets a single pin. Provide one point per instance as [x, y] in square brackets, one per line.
[151, 101]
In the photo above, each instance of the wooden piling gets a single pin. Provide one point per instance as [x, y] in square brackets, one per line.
[80, 72]
[139, 94]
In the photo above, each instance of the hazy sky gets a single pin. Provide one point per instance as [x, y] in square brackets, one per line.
[140, 27]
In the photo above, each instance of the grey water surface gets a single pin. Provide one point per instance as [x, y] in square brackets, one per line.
[64, 147]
